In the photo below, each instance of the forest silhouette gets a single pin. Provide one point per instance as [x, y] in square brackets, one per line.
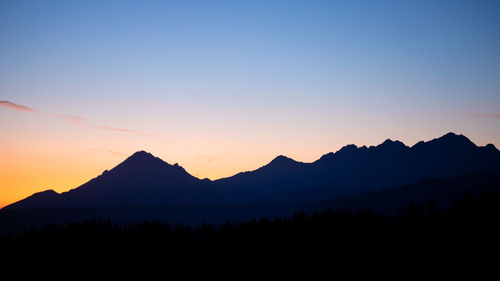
[468, 225]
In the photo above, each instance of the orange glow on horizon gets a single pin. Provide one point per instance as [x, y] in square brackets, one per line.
[21, 176]
[39, 152]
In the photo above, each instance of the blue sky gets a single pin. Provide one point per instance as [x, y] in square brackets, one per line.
[211, 50]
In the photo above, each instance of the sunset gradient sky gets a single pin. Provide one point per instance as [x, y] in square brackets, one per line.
[225, 86]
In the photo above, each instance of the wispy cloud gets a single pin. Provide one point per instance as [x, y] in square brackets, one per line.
[113, 152]
[483, 115]
[17, 107]
[69, 118]
[212, 157]
[121, 130]
[65, 117]
[23, 108]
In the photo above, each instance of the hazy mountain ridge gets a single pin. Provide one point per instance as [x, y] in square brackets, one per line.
[441, 191]
[145, 179]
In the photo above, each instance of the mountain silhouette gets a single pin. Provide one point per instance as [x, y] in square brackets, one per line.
[145, 179]
[141, 179]
[353, 169]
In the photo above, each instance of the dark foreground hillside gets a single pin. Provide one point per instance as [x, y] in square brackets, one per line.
[467, 229]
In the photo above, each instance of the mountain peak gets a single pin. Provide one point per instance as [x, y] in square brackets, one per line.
[280, 163]
[491, 146]
[34, 200]
[281, 159]
[348, 148]
[388, 141]
[390, 144]
[452, 135]
[448, 142]
[141, 160]
[452, 139]
[49, 192]
[141, 154]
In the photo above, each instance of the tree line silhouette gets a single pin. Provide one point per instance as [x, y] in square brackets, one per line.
[470, 224]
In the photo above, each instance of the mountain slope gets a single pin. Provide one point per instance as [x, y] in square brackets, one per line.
[353, 169]
[145, 179]
[140, 179]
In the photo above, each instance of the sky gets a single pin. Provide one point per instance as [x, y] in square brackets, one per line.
[225, 86]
